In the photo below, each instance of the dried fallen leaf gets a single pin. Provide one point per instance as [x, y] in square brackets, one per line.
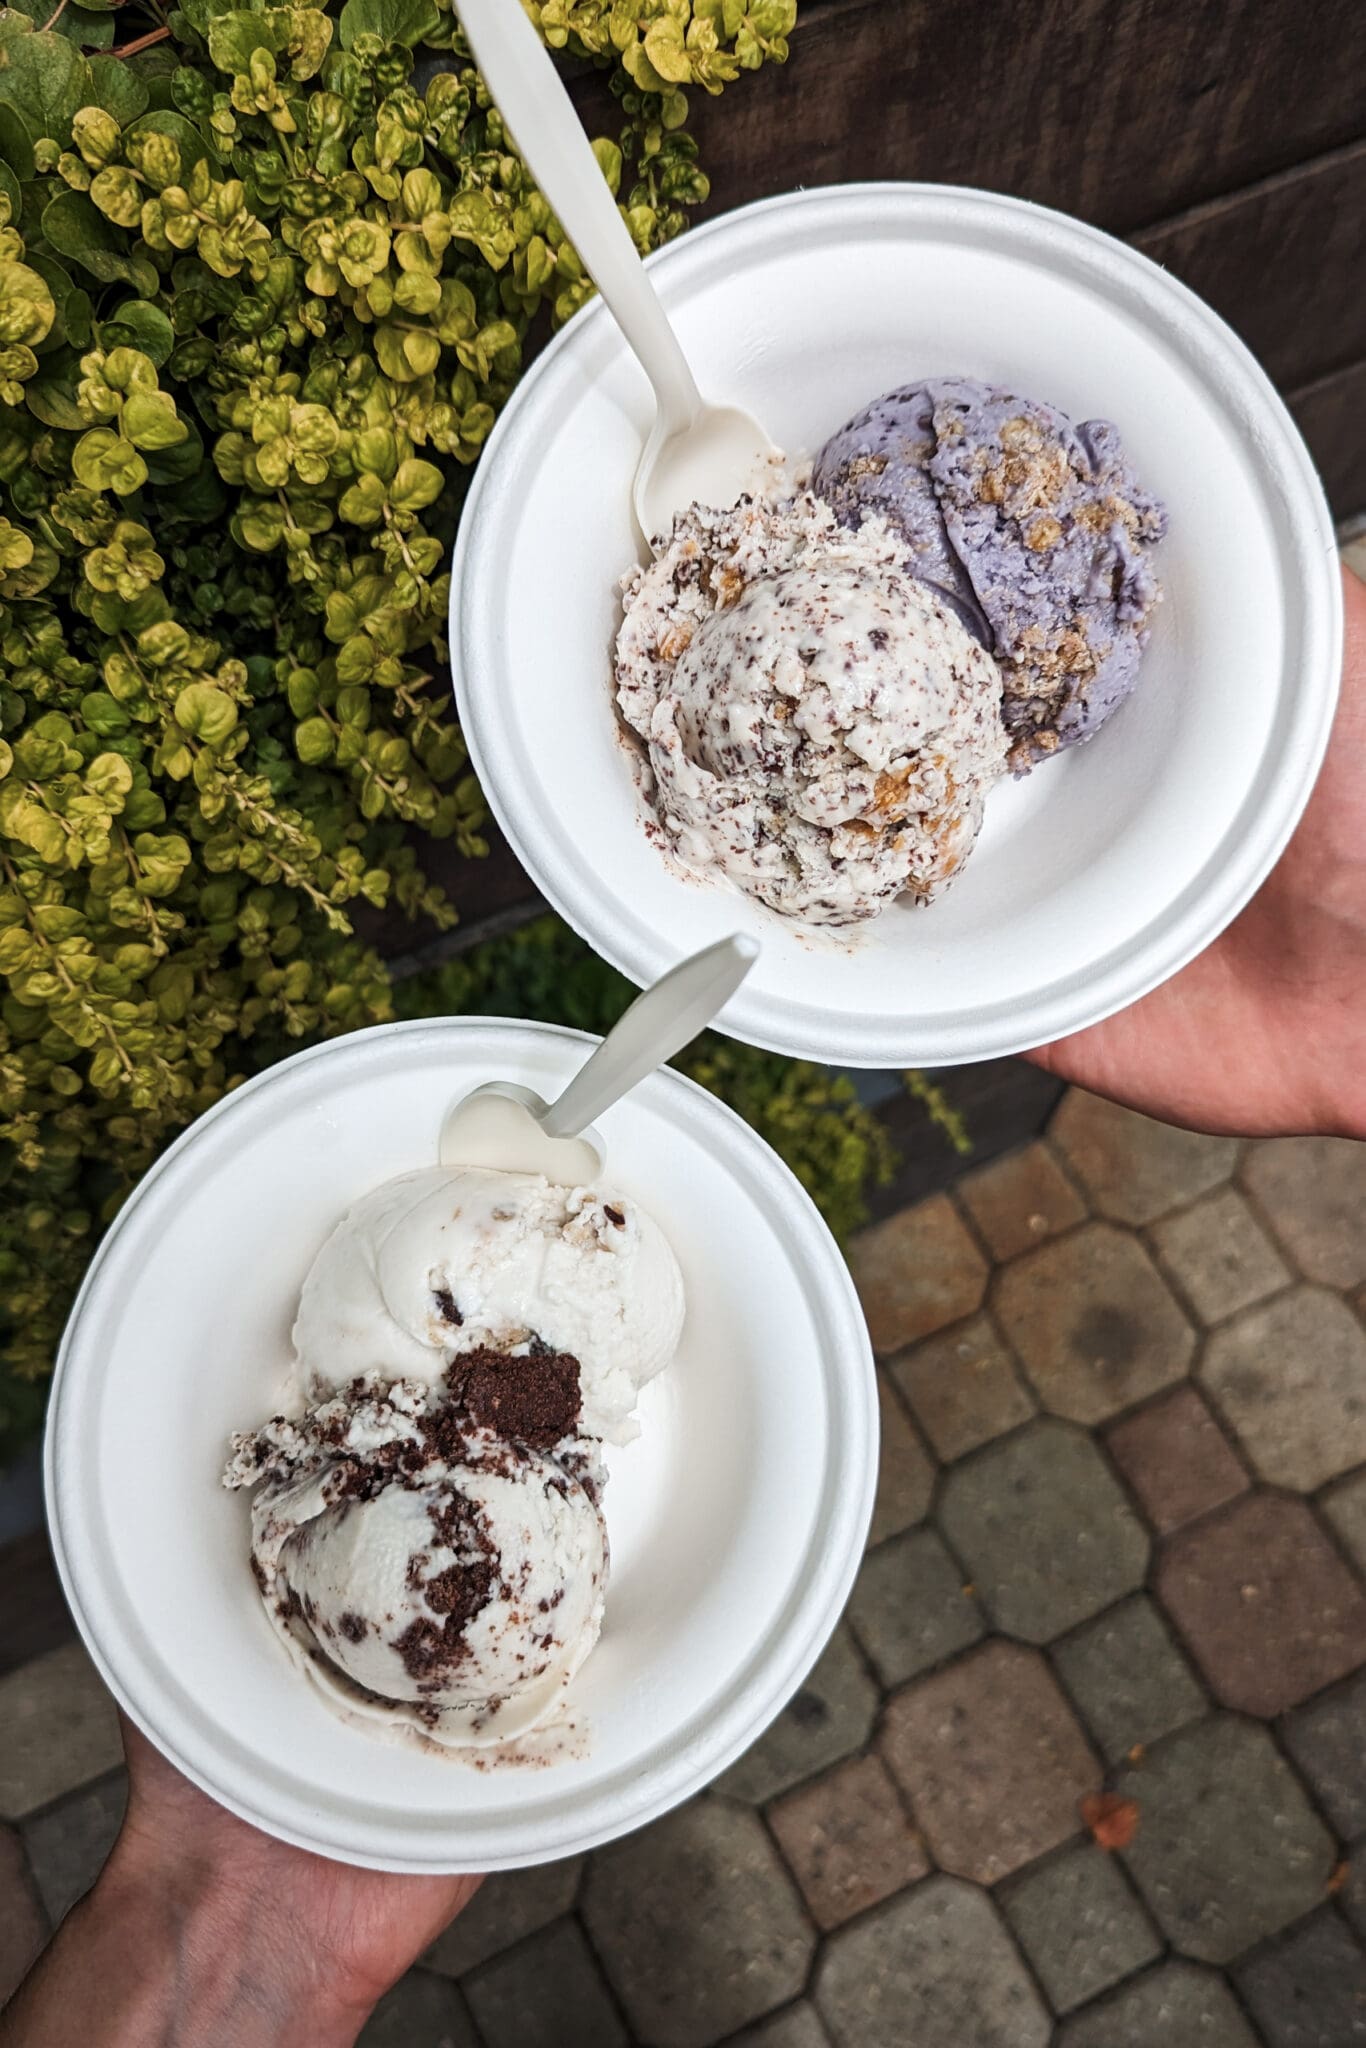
[1137, 1753]
[1113, 1821]
[1338, 1877]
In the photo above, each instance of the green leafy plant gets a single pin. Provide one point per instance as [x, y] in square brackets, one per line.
[940, 1111]
[267, 274]
[811, 1116]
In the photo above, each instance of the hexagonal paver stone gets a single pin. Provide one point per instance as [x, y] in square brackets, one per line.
[1177, 1459]
[420, 2008]
[1228, 1848]
[1129, 1679]
[1133, 1168]
[1079, 1924]
[1268, 1608]
[910, 1608]
[1290, 1379]
[1313, 1191]
[23, 1926]
[798, 2026]
[847, 1841]
[1220, 1256]
[545, 1993]
[1345, 1507]
[828, 1719]
[58, 1730]
[67, 1845]
[1020, 1200]
[1095, 1324]
[1309, 1991]
[935, 1966]
[905, 1475]
[992, 1760]
[1177, 2005]
[742, 1947]
[506, 1908]
[1327, 1740]
[1045, 1531]
[963, 1388]
[917, 1272]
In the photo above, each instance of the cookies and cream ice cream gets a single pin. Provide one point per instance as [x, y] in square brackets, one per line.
[435, 1568]
[443, 1260]
[817, 725]
[427, 1533]
[1037, 532]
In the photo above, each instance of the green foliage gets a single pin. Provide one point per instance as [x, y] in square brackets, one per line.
[262, 295]
[811, 1116]
[939, 1110]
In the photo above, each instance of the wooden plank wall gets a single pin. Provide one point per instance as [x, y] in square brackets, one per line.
[1228, 141]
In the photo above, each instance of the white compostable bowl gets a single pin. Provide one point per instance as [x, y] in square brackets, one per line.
[1109, 867]
[736, 1521]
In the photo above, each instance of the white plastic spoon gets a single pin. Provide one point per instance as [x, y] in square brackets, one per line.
[505, 1125]
[697, 453]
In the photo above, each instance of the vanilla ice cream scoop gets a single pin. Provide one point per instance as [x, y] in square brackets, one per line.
[817, 725]
[430, 1576]
[446, 1260]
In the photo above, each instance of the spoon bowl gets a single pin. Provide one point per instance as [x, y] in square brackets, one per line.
[503, 1124]
[713, 460]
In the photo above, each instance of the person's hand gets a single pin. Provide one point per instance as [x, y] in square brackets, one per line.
[202, 1929]
[1265, 1032]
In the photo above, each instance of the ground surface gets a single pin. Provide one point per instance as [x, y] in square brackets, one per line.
[1084, 1765]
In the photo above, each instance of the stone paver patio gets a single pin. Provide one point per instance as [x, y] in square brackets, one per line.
[1085, 1764]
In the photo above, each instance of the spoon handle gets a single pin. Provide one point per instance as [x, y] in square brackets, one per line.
[657, 1025]
[527, 90]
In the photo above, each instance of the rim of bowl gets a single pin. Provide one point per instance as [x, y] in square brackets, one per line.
[1271, 807]
[686, 1759]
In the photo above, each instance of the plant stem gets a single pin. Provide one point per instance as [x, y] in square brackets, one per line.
[54, 17]
[155, 35]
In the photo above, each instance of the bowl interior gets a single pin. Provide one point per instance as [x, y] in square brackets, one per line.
[1104, 869]
[735, 1521]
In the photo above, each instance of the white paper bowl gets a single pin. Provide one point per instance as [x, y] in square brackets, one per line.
[1109, 867]
[736, 1521]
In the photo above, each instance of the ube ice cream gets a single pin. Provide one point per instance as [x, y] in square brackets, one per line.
[427, 1533]
[817, 725]
[1037, 533]
[444, 1260]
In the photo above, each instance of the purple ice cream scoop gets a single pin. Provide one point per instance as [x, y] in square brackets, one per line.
[1037, 533]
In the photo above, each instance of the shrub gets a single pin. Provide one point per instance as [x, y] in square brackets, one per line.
[267, 274]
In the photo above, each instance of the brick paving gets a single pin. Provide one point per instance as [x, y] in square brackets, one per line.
[1079, 1923]
[1095, 1324]
[1177, 1462]
[848, 1841]
[1119, 1548]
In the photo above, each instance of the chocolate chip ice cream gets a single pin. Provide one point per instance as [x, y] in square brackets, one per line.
[434, 1560]
[427, 1529]
[817, 725]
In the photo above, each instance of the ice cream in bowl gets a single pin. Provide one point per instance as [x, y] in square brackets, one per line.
[427, 1524]
[987, 709]
[828, 678]
[541, 1499]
